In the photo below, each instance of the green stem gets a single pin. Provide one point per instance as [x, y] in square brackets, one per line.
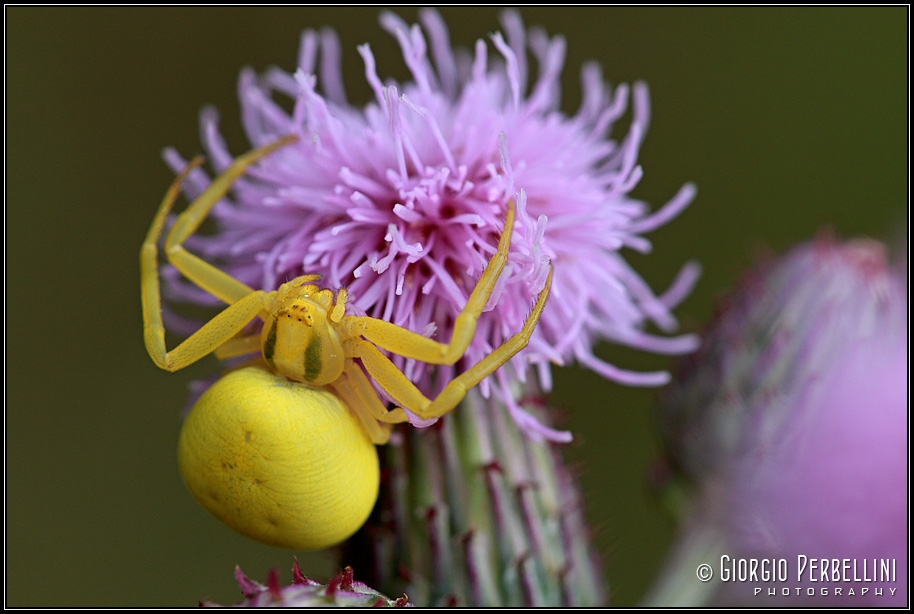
[696, 552]
[474, 513]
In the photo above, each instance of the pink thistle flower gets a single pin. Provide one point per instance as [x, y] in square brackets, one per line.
[791, 420]
[401, 201]
[342, 591]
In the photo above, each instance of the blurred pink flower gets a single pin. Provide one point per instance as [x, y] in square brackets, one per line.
[401, 201]
[792, 420]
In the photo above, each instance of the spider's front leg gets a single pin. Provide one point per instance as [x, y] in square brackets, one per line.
[412, 345]
[365, 333]
[197, 270]
[244, 302]
[404, 392]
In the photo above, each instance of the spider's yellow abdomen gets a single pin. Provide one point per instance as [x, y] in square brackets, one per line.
[278, 461]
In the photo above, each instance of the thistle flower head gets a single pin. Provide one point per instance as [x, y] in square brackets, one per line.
[402, 200]
[792, 417]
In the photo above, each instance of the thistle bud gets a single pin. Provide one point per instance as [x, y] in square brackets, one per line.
[341, 591]
[791, 425]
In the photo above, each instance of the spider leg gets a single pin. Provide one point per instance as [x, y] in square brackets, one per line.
[406, 343]
[244, 303]
[238, 346]
[371, 401]
[153, 329]
[356, 391]
[210, 336]
[391, 379]
[219, 284]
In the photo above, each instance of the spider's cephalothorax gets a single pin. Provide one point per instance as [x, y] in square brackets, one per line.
[292, 463]
[299, 339]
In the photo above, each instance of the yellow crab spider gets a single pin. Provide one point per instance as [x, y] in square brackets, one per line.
[283, 451]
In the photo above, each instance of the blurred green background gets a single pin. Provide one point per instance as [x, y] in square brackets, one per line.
[787, 119]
